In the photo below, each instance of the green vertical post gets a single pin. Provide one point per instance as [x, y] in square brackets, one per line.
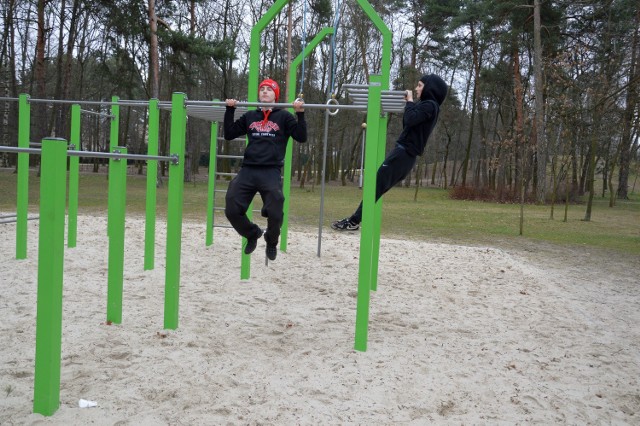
[368, 215]
[286, 185]
[74, 177]
[22, 201]
[174, 211]
[113, 142]
[152, 178]
[213, 153]
[254, 53]
[46, 389]
[252, 96]
[385, 73]
[115, 224]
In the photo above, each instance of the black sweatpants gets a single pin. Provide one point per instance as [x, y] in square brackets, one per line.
[394, 169]
[249, 181]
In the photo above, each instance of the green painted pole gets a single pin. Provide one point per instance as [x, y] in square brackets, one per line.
[174, 211]
[74, 177]
[113, 142]
[286, 185]
[368, 200]
[46, 389]
[385, 74]
[22, 201]
[152, 178]
[115, 223]
[213, 153]
[252, 96]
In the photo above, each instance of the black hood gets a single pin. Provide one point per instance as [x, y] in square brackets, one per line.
[435, 89]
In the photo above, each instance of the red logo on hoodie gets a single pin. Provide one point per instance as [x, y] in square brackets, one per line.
[264, 126]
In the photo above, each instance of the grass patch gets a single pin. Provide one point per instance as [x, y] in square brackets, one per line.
[433, 216]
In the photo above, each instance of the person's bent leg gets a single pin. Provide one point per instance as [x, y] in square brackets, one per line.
[273, 199]
[393, 170]
[237, 201]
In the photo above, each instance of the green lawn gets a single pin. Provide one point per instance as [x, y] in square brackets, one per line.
[434, 216]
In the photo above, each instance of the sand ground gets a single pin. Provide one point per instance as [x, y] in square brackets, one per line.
[457, 335]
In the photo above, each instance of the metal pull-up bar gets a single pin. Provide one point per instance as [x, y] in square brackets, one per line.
[278, 105]
[173, 159]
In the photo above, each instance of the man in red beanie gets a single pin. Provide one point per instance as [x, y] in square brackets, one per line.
[268, 131]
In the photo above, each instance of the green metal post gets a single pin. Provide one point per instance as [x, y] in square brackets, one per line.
[74, 177]
[213, 153]
[385, 73]
[115, 223]
[174, 211]
[254, 53]
[286, 185]
[252, 96]
[46, 389]
[113, 142]
[368, 200]
[22, 202]
[152, 178]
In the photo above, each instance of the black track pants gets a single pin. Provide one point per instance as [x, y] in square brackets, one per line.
[393, 170]
[242, 189]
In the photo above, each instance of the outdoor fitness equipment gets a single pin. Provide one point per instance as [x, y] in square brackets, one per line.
[52, 235]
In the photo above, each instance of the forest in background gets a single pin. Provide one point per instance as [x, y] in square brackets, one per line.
[544, 94]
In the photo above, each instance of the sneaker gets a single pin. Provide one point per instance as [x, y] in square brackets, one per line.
[252, 243]
[272, 252]
[345, 225]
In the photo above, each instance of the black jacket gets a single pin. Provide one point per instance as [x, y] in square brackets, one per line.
[420, 118]
[268, 133]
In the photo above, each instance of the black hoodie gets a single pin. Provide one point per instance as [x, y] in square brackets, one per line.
[420, 118]
[268, 132]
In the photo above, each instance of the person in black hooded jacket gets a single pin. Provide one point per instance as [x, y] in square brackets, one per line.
[418, 122]
[268, 131]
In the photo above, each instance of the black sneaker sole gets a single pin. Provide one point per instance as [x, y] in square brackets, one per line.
[272, 253]
[251, 246]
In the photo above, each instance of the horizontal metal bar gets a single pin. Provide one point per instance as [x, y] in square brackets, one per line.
[383, 97]
[220, 190]
[117, 156]
[20, 150]
[233, 140]
[101, 114]
[225, 174]
[92, 154]
[229, 156]
[9, 99]
[278, 105]
[70, 102]
[126, 103]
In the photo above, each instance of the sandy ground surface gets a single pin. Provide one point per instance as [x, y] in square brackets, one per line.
[457, 335]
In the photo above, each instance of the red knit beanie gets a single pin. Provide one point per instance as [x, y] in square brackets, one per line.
[273, 85]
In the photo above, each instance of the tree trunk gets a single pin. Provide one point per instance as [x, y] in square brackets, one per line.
[628, 114]
[476, 79]
[39, 115]
[519, 130]
[592, 173]
[541, 143]
[154, 62]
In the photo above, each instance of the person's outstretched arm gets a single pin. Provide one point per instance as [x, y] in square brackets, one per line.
[298, 126]
[233, 129]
